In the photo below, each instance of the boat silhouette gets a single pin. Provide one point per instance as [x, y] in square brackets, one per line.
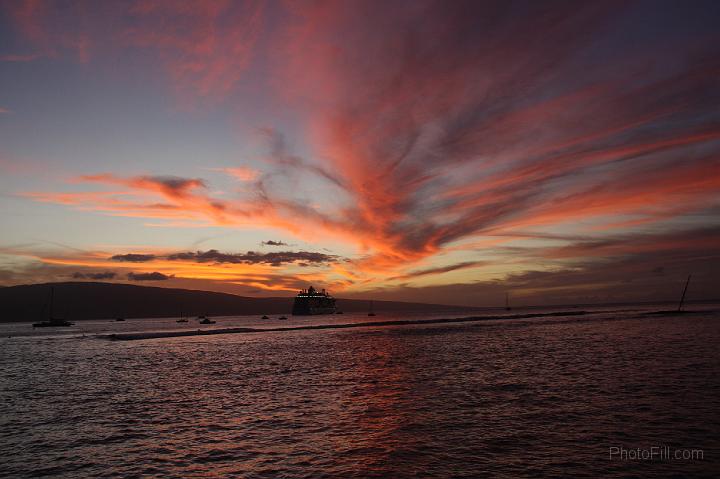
[52, 322]
[205, 320]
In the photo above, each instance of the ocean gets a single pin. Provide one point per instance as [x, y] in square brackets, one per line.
[610, 393]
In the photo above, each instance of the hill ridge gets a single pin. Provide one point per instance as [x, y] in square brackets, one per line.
[78, 300]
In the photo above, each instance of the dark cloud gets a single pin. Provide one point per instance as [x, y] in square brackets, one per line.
[628, 268]
[103, 275]
[273, 243]
[154, 276]
[687, 243]
[175, 183]
[133, 257]
[439, 270]
[627, 280]
[251, 257]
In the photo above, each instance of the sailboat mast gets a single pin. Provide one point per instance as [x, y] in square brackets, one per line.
[52, 301]
[682, 299]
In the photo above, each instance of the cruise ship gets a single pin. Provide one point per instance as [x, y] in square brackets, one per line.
[310, 301]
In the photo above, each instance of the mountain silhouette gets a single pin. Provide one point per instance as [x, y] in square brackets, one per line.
[92, 300]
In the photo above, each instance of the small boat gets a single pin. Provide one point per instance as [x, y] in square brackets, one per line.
[264, 317]
[205, 320]
[372, 310]
[52, 322]
[282, 318]
[119, 319]
[182, 318]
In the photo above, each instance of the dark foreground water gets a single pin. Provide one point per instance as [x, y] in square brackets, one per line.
[528, 397]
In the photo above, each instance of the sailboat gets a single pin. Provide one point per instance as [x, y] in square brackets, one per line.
[679, 310]
[372, 310]
[52, 322]
[182, 318]
[507, 302]
[682, 299]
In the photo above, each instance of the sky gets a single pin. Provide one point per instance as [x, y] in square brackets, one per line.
[445, 152]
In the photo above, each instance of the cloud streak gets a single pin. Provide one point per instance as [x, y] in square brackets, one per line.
[251, 257]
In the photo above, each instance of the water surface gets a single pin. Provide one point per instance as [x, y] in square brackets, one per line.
[506, 398]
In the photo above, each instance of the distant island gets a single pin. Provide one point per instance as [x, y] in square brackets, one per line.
[93, 300]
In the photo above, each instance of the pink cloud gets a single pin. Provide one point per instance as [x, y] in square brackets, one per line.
[19, 58]
[205, 47]
[241, 173]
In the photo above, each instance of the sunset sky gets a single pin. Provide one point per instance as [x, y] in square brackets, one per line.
[445, 152]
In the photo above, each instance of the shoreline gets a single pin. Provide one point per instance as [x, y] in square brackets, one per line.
[398, 322]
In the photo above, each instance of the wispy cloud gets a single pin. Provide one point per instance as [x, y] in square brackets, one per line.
[241, 173]
[203, 47]
[439, 270]
[19, 58]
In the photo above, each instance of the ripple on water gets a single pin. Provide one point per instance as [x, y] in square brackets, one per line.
[505, 399]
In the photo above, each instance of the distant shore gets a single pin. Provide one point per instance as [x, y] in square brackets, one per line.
[399, 322]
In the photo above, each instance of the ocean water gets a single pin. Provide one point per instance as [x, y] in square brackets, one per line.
[531, 397]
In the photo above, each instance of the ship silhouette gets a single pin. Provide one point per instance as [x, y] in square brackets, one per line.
[310, 301]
